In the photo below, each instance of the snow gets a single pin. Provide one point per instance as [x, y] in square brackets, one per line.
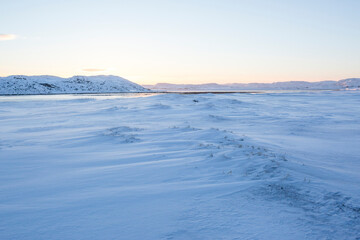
[19, 84]
[350, 83]
[181, 166]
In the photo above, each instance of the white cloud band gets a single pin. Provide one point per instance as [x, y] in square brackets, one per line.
[4, 37]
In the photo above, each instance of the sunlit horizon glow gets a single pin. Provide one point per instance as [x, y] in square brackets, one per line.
[190, 42]
[94, 69]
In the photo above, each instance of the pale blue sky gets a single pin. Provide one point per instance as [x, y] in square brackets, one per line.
[182, 41]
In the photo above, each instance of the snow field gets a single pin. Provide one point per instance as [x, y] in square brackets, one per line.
[233, 166]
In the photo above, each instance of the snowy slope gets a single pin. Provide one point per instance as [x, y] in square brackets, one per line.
[351, 83]
[77, 84]
[177, 166]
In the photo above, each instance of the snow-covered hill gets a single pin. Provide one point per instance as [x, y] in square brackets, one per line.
[19, 84]
[350, 83]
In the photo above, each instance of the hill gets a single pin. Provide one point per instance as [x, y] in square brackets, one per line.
[19, 84]
[350, 83]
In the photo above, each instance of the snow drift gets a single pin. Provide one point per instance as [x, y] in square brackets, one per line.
[19, 84]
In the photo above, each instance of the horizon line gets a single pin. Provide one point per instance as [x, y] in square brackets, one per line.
[111, 75]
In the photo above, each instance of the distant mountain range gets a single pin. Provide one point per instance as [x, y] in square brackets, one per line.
[20, 84]
[350, 83]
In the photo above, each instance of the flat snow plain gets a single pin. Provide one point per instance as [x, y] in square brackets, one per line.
[176, 166]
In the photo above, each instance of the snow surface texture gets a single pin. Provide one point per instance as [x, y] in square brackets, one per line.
[351, 83]
[77, 84]
[172, 166]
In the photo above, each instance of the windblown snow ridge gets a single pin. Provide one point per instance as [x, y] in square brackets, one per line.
[19, 84]
[350, 83]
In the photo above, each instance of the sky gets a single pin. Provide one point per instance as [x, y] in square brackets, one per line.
[187, 41]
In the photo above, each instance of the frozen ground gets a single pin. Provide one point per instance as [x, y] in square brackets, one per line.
[226, 166]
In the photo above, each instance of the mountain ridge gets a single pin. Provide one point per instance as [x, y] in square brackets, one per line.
[349, 83]
[47, 84]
